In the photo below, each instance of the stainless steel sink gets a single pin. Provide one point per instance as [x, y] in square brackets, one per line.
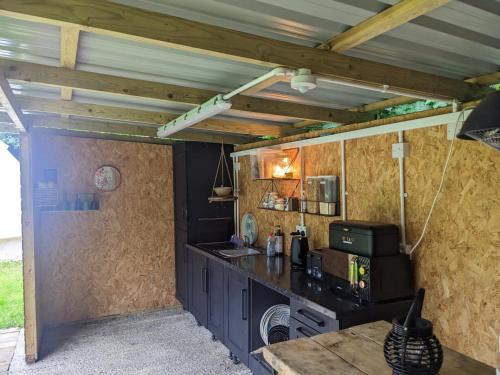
[236, 253]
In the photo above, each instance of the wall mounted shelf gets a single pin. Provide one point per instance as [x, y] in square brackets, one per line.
[222, 199]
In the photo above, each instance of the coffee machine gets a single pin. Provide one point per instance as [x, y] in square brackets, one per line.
[376, 270]
[299, 248]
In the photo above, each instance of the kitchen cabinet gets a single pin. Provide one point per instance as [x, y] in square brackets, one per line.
[299, 330]
[215, 318]
[198, 287]
[236, 308]
[195, 165]
[195, 219]
[312, 318]
[181, 268]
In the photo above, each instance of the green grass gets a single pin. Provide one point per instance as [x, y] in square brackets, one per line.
[11, 294]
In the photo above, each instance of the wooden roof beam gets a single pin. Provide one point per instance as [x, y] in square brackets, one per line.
[351, 127]
[8, 101]
[127, 130]
[61, 77]
[486, 79]
[69, 51]
[387, 20]
[103, 112]
[164, 30]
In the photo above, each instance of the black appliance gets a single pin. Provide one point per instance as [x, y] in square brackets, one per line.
[298, 249]
[364, 238]
[195, 219]
[323, 262]
[377, 271]
[483, 123]
[411, 348]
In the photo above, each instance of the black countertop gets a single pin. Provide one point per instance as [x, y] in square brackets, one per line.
[276, 273]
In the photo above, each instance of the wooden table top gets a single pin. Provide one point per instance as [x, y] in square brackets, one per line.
[357, 350]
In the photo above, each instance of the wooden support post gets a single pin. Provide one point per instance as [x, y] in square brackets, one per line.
[32, 323]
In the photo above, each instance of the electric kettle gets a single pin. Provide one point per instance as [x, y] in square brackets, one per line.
[298, 249]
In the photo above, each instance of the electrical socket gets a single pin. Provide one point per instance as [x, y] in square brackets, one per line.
[301, 228]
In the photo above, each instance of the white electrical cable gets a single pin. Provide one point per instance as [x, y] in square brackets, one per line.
[441, 183]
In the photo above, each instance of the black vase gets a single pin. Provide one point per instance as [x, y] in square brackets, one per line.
[411, 347]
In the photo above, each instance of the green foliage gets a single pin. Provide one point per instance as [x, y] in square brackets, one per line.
[496, 86]
[11, 294]
[403, 109]
[10, 139]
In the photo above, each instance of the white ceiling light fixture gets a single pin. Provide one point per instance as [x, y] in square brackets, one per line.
[303, 81]
[221, 102]
[210, 108]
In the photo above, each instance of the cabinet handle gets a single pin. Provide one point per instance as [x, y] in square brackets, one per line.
[204, 279]
[312, 317]
[243, 304]
[304, 332]
[185, 253]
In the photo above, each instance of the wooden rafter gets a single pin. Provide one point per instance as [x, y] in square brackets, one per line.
[387, 20]
[62, 77]
[350, 127]
[129, 130]
[103, 112]
[8, 101]
[140, 25]
[486, 79]
[69, 51]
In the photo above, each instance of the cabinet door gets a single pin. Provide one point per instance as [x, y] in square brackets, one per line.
[216, 299]
[181, 268]
[236, 309]
[199, 284]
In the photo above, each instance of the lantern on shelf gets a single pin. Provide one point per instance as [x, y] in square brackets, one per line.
[281, 166]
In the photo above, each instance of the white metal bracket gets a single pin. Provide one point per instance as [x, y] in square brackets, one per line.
[236, 166]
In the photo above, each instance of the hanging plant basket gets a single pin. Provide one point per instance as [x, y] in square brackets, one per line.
[222, 193]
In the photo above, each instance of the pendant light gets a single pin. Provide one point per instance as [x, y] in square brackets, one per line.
[483, 124]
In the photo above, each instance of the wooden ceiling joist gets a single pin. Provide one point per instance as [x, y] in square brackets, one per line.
[69, 50]
[103, 112]
[486, 79]
[351, 127]
[129, 130]
[61, 77]
[8, 101]
[164, 30]
[387, 20]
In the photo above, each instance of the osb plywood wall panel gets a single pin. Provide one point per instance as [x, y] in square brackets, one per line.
[459, 258]
[372, 179]
[116, 260]
[251, 192]
[458, 261]
[320, 160]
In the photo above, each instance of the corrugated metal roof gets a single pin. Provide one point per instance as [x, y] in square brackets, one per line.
[458, 40]
[29, 41]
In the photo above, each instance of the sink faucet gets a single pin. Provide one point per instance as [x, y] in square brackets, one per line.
[246, 241]
[240, 243]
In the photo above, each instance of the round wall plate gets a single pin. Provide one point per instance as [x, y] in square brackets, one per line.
[249, 227]
[107, 178]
